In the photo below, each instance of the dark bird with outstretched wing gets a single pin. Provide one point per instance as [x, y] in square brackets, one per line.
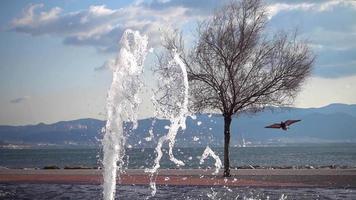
[283, 125]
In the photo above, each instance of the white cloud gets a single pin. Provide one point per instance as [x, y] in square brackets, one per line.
[333, 3]
[163, 1]
[50, 15]
[100, 10]
[30, 17]
[274, 9]
[99, 26]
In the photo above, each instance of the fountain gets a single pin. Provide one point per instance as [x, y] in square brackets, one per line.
[122, 104]
[176, 112]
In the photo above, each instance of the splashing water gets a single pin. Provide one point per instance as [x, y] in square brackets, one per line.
[208, 152]
[179, 121]
[122, 104]
[177, 114]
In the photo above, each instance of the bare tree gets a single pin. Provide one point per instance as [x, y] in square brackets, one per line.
[237, 66]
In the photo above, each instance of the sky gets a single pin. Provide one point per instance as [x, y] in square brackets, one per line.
[54, 54]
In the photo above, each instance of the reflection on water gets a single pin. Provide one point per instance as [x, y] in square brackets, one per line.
[78, 192]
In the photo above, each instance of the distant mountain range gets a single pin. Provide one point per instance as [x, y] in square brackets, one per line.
[332, 123]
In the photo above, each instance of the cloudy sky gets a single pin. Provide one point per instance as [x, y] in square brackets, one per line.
[53, 53]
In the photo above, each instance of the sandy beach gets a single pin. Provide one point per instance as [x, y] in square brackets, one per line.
[325, 178]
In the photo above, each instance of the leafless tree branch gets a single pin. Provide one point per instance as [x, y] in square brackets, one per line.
[236, 66]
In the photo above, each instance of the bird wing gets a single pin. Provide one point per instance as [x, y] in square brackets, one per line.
[289, 122]
[274, 126]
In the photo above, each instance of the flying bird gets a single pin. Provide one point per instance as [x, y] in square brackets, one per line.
[283, 125]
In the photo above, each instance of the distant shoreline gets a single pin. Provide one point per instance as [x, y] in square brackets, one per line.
[35, 146]
[316, 178]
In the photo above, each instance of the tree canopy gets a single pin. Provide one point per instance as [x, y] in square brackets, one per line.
[237, 66]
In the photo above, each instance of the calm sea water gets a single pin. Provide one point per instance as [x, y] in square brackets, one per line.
[84, 192]
[316, 155]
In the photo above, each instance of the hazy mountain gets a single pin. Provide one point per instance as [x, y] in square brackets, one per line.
[332, 123]
[82, 131]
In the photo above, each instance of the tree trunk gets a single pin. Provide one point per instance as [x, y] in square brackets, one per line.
[227, 122]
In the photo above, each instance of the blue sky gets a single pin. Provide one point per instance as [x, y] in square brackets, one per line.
[52, 53]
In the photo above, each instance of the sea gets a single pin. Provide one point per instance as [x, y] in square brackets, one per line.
[312, 156]
[316, 155]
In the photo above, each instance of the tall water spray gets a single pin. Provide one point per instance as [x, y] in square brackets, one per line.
[122, 104]
[174, 82]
